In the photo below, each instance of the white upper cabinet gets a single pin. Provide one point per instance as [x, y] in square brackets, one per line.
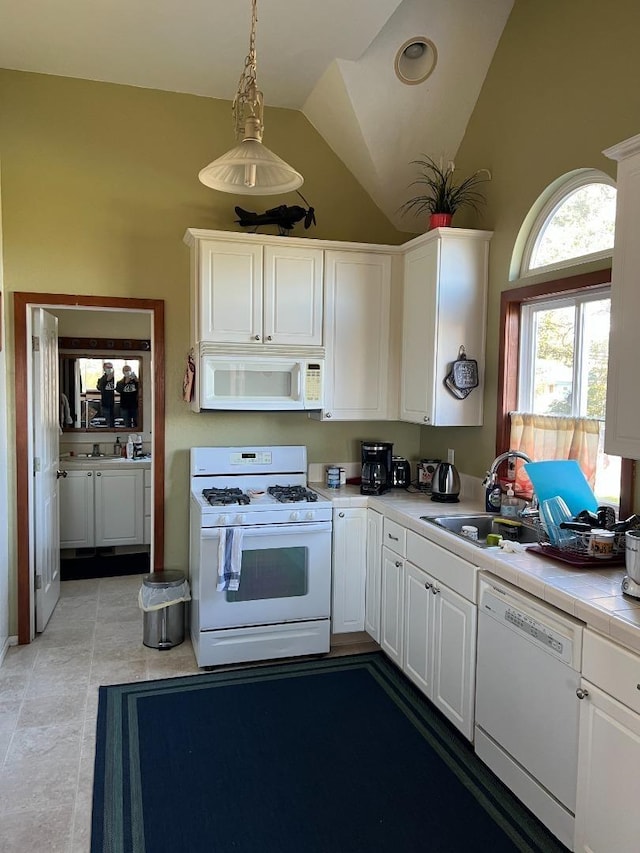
[622, 434]
[357, 317]
[249, 291]
[293, 295]
[444, 308]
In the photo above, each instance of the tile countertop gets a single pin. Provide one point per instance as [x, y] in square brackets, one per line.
[591, 595]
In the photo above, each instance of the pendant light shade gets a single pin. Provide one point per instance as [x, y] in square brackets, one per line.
[250, 168]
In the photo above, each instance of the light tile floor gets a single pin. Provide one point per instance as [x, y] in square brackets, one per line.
[48, 707]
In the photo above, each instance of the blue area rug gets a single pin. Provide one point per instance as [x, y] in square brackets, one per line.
[339, 755]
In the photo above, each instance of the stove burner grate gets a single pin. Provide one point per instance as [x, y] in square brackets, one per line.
[292, 494]
[225, 497]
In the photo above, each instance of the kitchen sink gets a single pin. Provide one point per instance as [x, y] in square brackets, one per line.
[485, 522]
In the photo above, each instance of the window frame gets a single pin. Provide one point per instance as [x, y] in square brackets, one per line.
[550, 204]
[511, 301]
[525, 366]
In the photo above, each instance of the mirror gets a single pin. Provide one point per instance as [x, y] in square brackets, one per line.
[100, 393]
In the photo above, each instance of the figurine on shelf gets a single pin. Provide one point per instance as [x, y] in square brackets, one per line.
[284, 217]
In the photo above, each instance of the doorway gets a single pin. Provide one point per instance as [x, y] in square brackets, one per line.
[23, 302]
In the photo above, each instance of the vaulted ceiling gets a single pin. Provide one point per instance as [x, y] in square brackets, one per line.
[332, 59]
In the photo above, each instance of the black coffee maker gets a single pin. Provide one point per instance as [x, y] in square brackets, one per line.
[376, 467]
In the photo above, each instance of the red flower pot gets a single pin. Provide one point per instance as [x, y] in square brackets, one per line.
[440, 220]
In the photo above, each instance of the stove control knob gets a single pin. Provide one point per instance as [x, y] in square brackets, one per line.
[222, 519]
[295, 515]
[310, 515]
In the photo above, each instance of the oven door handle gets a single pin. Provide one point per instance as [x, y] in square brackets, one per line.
[271, 529]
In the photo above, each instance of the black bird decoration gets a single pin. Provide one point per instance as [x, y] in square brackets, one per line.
[284, 217]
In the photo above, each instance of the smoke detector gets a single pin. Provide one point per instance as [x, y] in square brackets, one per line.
[415, 60]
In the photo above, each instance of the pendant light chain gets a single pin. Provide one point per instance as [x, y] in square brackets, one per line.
[248, 102]
[250, 168]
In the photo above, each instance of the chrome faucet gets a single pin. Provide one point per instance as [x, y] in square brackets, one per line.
[491, 478]
[493, 468]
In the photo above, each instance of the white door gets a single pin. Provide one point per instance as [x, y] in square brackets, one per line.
[76, 510]
[608, 761]
[454, 657]
[392, 612]
[119, 507]
[349, 569]
[418, 637]
[357, 307]
[230, 292]
[374, 570]
[293, 295]
[46, 438]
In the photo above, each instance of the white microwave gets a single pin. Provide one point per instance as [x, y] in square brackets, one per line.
[260, 383]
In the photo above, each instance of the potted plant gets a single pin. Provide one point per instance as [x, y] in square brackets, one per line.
[442, 196]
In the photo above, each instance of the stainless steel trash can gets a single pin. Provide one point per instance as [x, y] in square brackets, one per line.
[164, 628]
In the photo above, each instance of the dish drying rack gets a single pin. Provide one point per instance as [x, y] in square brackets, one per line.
[574, 549]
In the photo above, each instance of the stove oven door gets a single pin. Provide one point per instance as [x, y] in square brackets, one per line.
[285, 576]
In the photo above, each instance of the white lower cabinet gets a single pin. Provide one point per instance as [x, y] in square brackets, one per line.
[392, 610]
[439, 646]
[119, 507]
[349, 569]
[77, 528]
[609, 749]
[418, 633]
[427, 627]
[373, 574]
[101, 508]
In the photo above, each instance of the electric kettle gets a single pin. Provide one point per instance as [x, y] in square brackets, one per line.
[445, 485]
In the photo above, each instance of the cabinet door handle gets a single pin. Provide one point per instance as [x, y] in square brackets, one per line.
[269, 338]
[427, 585]
[89, 474]
[60, 474]
[340, 515]
[427, 419]
[327, 414]
[257, 338]
[98, 473]
[435, 589]
[398, 564]
[395, 538]
[582, 693]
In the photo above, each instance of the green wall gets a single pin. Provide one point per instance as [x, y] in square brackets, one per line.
[99, 184]
[563, 86]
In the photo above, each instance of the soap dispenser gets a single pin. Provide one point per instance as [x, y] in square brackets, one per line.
[510, 504]
[117, 447]
[492, 494]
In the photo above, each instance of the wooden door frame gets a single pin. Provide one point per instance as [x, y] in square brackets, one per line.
[21, 304]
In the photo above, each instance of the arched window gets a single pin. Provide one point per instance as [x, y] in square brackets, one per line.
[572, 222]
[553, 371]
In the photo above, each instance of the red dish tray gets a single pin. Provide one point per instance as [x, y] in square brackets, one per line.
[575, 559]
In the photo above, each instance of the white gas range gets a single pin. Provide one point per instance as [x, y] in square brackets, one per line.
[259, 556]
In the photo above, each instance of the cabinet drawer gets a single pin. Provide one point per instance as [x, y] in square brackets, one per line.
[456, 573]
[614, 669]
[394, 536]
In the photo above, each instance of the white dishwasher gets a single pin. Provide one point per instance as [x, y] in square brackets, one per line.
[529, 660]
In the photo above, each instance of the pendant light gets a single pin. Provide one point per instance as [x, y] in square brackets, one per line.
[250, 168]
